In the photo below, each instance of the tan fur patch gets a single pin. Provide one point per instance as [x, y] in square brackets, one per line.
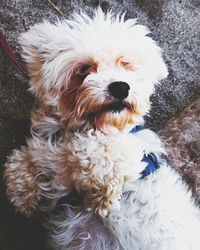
[19, 176]
[124, 63]
[99, 194]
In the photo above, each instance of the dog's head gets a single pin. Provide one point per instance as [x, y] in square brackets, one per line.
[96, 72]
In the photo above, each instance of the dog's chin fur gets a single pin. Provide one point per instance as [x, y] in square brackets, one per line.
[81, 141]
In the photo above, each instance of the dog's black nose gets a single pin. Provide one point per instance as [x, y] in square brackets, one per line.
[119, 90]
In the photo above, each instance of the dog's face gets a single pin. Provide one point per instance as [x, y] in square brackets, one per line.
[96, 72]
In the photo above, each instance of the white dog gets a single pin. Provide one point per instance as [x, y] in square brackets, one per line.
[92, 79]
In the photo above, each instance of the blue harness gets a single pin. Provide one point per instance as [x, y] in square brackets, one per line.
[151, 159]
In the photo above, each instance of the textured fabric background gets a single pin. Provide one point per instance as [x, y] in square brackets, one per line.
[175, 25]
[181, 136]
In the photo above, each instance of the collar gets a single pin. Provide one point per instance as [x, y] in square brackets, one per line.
[151, 159]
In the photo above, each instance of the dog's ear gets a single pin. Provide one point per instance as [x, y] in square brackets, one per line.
[40, 50]
[156, 68]
[34, 45]
[148, 54]
[159, 68]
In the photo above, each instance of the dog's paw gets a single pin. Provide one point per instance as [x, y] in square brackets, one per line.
[103, 205]
[19, 176]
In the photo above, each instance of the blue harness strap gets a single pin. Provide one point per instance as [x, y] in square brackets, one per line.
[152, 165]
[151, 159]
[136, 129]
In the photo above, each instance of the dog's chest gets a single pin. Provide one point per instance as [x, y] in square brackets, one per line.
[107, 153]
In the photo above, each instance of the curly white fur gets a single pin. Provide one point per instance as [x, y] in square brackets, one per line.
[81, 141]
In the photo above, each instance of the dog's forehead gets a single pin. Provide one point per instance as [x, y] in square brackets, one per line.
[104, 39]
[105, 49]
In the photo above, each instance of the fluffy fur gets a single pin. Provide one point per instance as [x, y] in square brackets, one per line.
[81, 141]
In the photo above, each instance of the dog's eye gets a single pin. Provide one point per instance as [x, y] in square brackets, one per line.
[84, 69]
[81, 74]
[124, 63]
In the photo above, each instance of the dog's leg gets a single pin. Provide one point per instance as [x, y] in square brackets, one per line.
[31, 177]
[20, 177]
[106, 198]
[101, 196]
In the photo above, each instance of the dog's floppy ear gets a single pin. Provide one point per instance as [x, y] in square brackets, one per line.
[146, 52]
[158, 65]
[39, 48]
[33, 47]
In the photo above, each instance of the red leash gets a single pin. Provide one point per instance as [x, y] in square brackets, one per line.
[11, 54]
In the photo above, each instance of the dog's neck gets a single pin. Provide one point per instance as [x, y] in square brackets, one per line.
[106, 129]
[69, 124]
[85, 126]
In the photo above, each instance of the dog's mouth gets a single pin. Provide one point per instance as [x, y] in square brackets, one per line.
[113, 107]
[116, 114]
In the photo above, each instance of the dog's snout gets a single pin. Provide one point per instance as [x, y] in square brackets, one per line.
[119, 90]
